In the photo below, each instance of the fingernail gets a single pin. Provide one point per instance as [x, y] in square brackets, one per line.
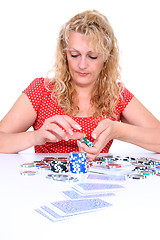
[78, 127]
[94, 135]
[78, 143]
[70, 131]
[66, 138]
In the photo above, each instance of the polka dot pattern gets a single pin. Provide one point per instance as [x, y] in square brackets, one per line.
[46, 107]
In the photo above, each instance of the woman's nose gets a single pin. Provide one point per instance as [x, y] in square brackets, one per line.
[83, 62]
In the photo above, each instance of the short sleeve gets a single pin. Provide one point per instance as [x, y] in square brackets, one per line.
[124, 99]
[35, 92]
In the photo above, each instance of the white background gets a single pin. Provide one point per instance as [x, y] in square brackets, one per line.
[29, 29]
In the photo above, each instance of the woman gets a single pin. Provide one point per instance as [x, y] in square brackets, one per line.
[84, 98]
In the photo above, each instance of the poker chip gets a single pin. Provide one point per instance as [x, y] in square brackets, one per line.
[59, 166]
[155, 161]
[121, 158]
[126, 159]
[48, 160]
[89, 163]
[46, 168]
[114, 165]
[49, 176]
[39, 163]
[87, 142]
[62, 159]
[78, 163]
[142, 160]
[137, 176]
[157, 167]
[139, 166]
[64, 178]
[28, 173]
[107, 159]
[27, 165]
[147, 172]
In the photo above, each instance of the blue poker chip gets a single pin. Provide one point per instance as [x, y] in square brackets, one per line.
[78, 163]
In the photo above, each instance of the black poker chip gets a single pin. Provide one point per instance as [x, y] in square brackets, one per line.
[59, 166]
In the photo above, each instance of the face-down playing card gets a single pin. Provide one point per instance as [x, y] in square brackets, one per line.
[88, 188]
[70, 207]
[75, 195]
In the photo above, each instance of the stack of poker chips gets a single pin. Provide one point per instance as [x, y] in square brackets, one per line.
[60, 165]
[78, 163]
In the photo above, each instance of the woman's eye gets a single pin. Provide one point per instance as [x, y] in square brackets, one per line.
[74, 55]
[93, 57]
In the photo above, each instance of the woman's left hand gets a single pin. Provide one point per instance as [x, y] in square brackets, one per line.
[103, 133]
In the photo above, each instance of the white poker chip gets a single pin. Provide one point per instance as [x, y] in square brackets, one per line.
[49, 176]
[28, 173]
[27, 165]
[64, 178]
[45, 168]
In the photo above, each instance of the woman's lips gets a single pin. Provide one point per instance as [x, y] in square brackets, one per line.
[82, 74]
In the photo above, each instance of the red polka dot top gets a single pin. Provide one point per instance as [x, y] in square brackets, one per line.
[45, 106]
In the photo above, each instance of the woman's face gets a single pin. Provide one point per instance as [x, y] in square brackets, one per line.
[84, 63]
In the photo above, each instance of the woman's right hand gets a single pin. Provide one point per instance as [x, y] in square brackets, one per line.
[57, 128]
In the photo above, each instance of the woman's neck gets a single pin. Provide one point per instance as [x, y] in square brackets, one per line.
[84, 104]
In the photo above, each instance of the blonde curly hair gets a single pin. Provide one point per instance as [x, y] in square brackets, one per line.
[106, 92]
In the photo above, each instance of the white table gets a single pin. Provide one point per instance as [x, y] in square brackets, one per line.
[134, 214]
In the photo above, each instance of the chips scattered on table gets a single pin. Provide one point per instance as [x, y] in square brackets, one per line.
[78, 163]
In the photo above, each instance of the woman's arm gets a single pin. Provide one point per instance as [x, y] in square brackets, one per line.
[148, 138]
[138, 127]
[14, 136]
[13, 127]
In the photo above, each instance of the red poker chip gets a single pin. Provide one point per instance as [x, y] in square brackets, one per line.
[114, 165]
[45, 167]
[40, 162]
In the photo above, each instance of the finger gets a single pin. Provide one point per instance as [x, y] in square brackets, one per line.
[85, 148]
[76, 135]
[103, 139]
[57, 131]
[66, 122]
[50, 137]
[91, 156]
[102, 126]
[82, 148]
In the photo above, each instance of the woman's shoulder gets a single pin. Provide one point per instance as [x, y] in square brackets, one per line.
[125, 93]
[41, 84]
[125, 97]
[38, 83]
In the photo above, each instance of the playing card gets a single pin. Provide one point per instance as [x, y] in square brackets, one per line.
[50, 214]
[70, 207]
[75, 195]
[106, 177]
[88, 188]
